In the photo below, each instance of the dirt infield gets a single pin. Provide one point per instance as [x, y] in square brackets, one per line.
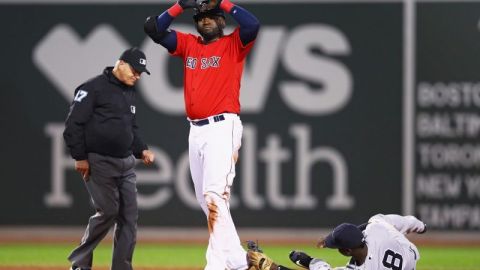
[200, 236]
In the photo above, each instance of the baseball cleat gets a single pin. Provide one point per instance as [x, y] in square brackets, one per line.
[252, 245]
[300, 258]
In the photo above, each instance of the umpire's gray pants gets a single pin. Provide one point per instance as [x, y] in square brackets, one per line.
[112, 188]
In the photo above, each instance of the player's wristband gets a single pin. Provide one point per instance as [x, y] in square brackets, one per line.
[226, 5]
[175, 10]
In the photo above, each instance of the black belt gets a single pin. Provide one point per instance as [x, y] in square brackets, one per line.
[203, 122]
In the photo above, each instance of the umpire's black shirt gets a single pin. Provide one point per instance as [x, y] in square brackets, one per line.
[102, 119]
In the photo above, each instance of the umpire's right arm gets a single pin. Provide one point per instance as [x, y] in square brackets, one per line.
[81, 111]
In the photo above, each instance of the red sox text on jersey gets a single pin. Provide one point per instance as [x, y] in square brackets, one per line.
[212, 73]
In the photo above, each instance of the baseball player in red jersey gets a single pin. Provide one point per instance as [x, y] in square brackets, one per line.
[213, 66]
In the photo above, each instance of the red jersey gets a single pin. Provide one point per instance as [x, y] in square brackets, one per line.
[212, 73]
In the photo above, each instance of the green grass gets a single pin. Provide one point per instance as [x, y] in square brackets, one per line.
[432, 258]
[185, 255]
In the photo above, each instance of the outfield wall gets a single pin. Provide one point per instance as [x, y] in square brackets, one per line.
[350, 108]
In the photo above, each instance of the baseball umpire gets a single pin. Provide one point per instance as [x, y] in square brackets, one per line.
[102, 136]
[213, 66]
[376, 245]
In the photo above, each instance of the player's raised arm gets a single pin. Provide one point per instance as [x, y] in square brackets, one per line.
[249, 24]
[404, 224]
[156, 27]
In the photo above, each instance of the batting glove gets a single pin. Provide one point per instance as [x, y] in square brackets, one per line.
[185, 4]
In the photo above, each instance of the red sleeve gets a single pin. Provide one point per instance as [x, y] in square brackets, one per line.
[182, 43]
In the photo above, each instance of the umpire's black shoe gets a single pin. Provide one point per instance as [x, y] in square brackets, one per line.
[78, 268]
[300, 258]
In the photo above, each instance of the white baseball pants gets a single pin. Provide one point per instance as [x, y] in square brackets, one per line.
[212, 148]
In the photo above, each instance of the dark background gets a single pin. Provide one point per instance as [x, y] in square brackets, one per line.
[367, 131]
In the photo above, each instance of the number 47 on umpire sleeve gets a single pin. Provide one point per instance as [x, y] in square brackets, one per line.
[81, 94]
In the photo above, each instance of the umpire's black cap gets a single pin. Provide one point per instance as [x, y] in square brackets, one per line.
[345, 235]
[211, 12]
[136, 58]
